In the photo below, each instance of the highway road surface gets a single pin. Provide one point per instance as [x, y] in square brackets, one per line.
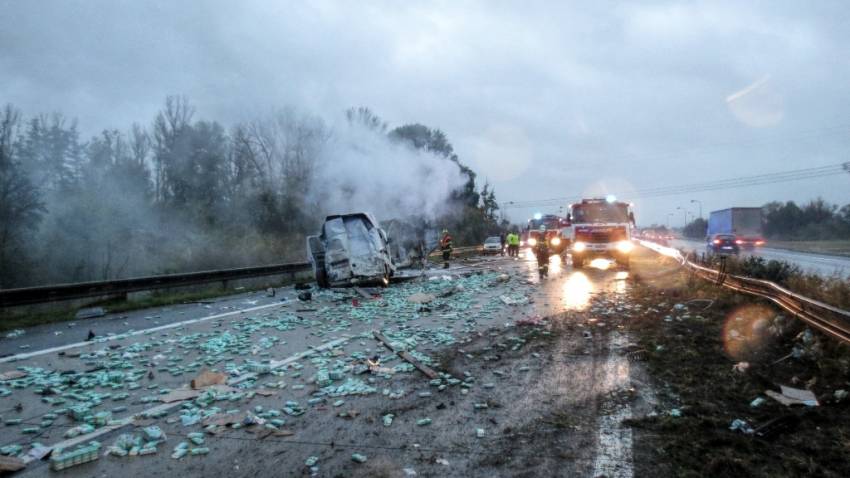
[814, 263]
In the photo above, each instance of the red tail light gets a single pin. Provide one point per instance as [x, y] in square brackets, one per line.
[759, 243]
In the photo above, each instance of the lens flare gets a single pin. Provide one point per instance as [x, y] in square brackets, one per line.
[577, 291]
[745, 332]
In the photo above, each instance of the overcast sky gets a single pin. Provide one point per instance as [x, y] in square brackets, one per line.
[544, 99]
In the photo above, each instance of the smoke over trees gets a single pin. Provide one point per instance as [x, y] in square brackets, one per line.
[189, 194]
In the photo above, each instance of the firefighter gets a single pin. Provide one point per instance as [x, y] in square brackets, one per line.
[446, 247]
[541, 250]
[502, 240]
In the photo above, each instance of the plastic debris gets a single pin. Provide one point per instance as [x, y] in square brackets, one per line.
[388, 419]
[311, 461]
[758, 402]
[358, 458]
[479, 432]
[793, 396]
[742, 426]
[423, 422]
[61, 459]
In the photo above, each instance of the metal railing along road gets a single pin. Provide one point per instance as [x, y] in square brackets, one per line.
[826, 318]
[82, 290]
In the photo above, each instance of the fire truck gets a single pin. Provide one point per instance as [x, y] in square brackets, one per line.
[557, 232]
[601, 227]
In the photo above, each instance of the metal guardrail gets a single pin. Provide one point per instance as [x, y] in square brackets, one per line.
[82, 290]
[53, 293]
[826, 318]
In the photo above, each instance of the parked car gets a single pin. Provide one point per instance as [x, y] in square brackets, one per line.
[493, 245]
[722, 244]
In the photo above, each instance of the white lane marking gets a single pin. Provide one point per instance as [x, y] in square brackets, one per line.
[614, 450]
[168, 406]
[137, 332]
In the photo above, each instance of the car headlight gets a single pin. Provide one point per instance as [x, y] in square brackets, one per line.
[521, 243]
[556, 241]
[625, 246]
[579, 246]
[532, 242]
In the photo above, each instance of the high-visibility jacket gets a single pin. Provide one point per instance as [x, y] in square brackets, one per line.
[513, 239]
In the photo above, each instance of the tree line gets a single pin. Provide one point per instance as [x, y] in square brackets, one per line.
[184, 194]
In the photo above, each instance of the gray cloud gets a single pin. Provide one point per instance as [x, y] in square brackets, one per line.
[544, 99]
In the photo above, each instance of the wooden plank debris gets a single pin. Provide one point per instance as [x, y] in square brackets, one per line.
[428, 371]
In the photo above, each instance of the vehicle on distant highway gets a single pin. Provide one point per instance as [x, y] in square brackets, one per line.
[722, 245]
[492, 245]
[351, 249]
[601, 228]
[744, 223]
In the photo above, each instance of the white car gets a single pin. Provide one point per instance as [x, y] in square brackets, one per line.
[493, 245]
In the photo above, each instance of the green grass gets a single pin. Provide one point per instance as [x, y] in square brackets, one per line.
[834, 247]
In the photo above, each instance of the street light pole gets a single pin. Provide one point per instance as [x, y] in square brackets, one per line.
[700, 206]
[684, 215]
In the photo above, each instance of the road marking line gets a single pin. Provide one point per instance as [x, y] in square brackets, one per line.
[60, 348]
[614, 452]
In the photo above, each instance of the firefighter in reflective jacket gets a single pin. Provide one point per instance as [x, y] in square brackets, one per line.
[446, 247]
[541, 250]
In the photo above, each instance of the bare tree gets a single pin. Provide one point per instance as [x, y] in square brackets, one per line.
[21, 207]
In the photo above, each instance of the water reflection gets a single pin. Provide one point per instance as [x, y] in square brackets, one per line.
[577, 291]
[620, 282]
[601, 264]
[555, 265]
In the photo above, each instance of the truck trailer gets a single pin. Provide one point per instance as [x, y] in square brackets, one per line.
[745, 223]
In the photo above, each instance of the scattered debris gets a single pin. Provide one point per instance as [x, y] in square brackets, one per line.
[508, 300]
[741, 367]
[758, 402]
[60, 460]
[207, 378]
[358, 458]
[421, 298]
[428, 371]
[305, 296]
[15, 333]
[793, 396]
[12, 375]
[534, 320]
[11, 463]
[742, 426]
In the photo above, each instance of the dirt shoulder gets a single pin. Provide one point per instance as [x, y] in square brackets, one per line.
[693, 335]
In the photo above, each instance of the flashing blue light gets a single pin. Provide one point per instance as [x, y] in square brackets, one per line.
[538, 216]
[610, 198]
